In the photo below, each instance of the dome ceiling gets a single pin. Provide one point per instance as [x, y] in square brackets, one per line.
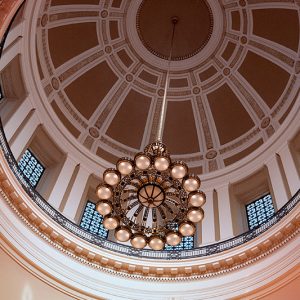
[234, 74]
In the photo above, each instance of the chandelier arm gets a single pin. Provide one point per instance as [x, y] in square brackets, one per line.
[163, 112]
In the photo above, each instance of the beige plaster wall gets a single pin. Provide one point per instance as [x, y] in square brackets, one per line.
[285, 287]
[16, 283]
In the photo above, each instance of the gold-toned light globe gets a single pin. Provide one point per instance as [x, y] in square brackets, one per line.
[104, 208]
[187, 228]
[138, 241]
[197, 199]
[191, 183]
[156, 243]
[123, 234]
[125, 166]
[195, 214]
[104, 191]
[142, 161]
[178, 171]
[111, 177]
[161, 163]
[110, 222]
[173, 238]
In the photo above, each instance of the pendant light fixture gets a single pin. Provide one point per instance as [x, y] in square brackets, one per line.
[151, 200]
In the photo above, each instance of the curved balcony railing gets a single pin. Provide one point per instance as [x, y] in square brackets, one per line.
[127, 250]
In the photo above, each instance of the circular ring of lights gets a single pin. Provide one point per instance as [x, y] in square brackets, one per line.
[149, 196]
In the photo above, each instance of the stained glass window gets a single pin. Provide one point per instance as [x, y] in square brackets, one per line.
[187, 242]
[259, 211]
[31, 168]
[92, 220]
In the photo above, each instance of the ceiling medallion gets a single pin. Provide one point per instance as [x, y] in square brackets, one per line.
[193, 32]
[151, 199]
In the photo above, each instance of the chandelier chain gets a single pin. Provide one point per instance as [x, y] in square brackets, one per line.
[163, 112]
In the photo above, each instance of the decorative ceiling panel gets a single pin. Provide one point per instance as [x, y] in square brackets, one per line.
[282, 26]
[225, 107]
[130, 120]
[180, 133]
[267, 78]
[97, 82]
[66, 42]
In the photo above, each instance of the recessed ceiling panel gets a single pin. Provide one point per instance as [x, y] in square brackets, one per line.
[278, 25]
[66, 42]
[180, 132]
[267, 78]
[230, 116]
[125, 58]
[129, 123]
[235, 20]
[95, 83]
[206, 74]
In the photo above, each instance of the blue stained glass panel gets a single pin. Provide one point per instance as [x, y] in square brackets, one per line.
[259, 211]
[92, 221]
[187, 242]
[31, 167]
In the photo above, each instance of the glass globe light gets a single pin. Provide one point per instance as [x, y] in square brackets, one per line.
[161, 163]
[104, 208]
[138, 241]
[142, 161]
[179, 170]
[173, 238]
[110, 222]
[197, 199]
[187, 228]
[125, 166]
[104, 191]
[123, 234]
[111, 177]
[156, 243]
[195, 214]
[191, 183]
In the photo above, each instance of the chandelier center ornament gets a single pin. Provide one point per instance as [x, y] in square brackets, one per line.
[151, 195]
[151, 200]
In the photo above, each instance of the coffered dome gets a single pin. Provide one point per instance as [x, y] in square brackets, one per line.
[233, 76]
[82, 84]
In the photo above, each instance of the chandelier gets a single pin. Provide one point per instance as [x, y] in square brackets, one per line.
[151, 199]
